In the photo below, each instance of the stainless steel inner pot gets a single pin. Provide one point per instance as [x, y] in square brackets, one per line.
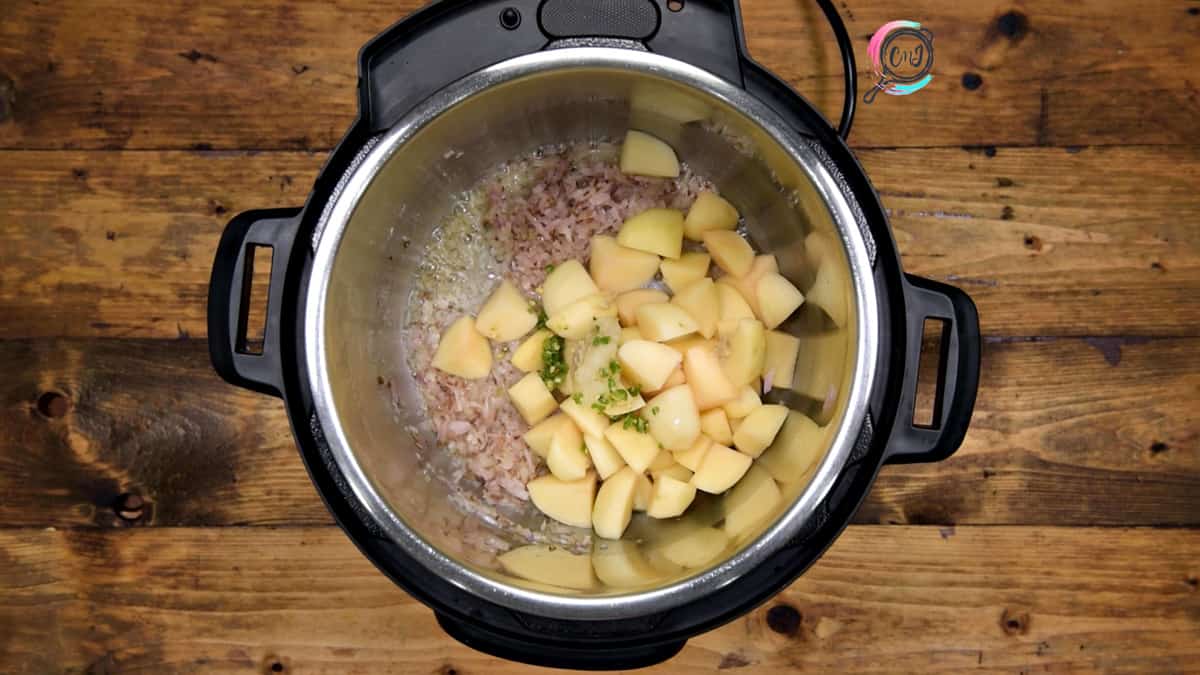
[370, 240]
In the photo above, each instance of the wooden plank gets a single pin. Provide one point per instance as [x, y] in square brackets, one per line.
[1049, 242]
[234, 75]
[883, 599]
[1065, 432]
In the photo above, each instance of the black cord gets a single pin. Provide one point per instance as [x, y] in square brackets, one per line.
[846, 47]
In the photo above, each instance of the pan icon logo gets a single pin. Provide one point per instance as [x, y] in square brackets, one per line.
[902, 58]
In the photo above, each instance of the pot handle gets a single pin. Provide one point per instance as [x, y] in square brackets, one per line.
[229, 295]
[585, 656]
[958, 373]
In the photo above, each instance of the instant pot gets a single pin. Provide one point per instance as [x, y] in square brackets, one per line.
[445, 96]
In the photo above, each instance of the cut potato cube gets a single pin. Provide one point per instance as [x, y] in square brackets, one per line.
[710, 211]
[648, 364]
[532, 399]
[710, 387]
[636, 448]
[690, 267]
[464, 351]
[629, 334]
[696, 547]
[796, 449]
[758, 429]
[779, 366]
[720, 469]
[735, 424]
[670, 497]
[676, 471]
[690, 458]
[579, 318]
[617, 269]
[662, 321]
[614, 504]
[662, 460]
[700, 300]
[746, 352]
[748, 285]
[733, 305]
[645, 155]
[506, 315]
[620, 564]
[568, 502]
[715, 424]
[658, 231]
[538, 438]
[674, 419]
[588, 420]
[549, 565]
[565, 284]
[751, 501]
[528, 356]
[729, 251]
[628, 303]
[567, 459]
[604, 456]
[745, 403]
[777, 299]
[641, 493]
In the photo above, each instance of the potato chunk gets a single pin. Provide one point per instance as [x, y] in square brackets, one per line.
[588, 420]
[701, 301]
[693, 546]
[628, 303]
[506, 315]
[729, 251]
[663, 321]
[658, 231]
[464, 351]
[567, 459]
[636, 448]
[617, 269]
[830, 290]
[528, 356]
[614, 504]
[549, 565]
[733, 305]
[748, 284]
[568, 502]
[715, 424]
[745, 403]
[746, 352]
[710, 387]
[670, 497]
[565, 284]
[710, 211]
[532, 399]
[645, 155]
[777, 299]
[648, 364]
[538, 438]
[674, 419]
[690, 458]
[758, 429]
[604, 456]
[579, 318]
[720, 469]
[690, 267]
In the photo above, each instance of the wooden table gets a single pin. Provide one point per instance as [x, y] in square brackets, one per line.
[154, 519]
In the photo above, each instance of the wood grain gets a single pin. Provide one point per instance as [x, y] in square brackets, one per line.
[233, 75]
[883, 599]
[1048, 242]
[1065, 432]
